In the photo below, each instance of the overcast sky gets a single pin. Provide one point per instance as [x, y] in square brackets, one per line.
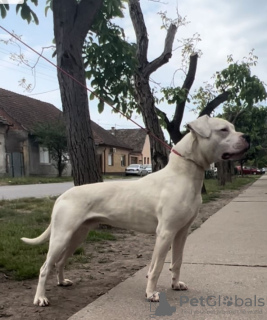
[225, 26]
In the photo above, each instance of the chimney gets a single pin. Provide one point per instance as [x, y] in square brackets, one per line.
[113, 131]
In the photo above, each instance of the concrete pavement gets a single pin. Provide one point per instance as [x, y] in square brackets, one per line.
[225, 268]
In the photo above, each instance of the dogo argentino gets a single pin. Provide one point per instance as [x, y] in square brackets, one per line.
[167, 203]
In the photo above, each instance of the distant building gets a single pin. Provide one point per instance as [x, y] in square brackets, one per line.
[21, 155]
[138, 140]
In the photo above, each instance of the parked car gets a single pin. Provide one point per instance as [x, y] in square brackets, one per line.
[255, 171]
[148, 168]
[136, 170]
[248, 170]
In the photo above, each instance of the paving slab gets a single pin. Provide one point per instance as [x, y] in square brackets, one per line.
[236, 235]
[225, 268]
[211, 284]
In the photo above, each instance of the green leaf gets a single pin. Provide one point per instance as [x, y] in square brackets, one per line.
[100, 106]
[35, 18]
[4, 8]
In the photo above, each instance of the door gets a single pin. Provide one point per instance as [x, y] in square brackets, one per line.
[16, 165]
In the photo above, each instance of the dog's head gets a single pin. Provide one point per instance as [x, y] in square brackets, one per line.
[217, 139]
[211, 140]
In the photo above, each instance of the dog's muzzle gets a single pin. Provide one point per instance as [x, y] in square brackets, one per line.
[238, 155]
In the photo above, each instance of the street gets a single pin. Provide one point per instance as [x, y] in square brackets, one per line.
[34, 190]
[39, 190]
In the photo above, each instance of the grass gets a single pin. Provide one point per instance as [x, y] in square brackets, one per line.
[29, 218]
[213, 188]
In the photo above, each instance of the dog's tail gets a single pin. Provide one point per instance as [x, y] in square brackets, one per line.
[39, 240]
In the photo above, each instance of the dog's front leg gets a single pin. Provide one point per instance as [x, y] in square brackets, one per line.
[163, 242]
[177, 256]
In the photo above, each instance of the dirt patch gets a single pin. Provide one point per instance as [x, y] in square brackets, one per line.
[104, 266]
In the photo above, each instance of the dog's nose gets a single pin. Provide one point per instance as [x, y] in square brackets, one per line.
[246, 137]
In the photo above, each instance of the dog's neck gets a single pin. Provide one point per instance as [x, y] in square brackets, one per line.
[187, 149]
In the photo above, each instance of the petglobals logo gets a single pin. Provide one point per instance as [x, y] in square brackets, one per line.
[226, 301]
[11, 1]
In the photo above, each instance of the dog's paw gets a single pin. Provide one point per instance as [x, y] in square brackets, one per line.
[179, 286]
[65, 283]
[41, 301]
[153, 297]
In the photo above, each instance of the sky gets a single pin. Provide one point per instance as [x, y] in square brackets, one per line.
[226, 27]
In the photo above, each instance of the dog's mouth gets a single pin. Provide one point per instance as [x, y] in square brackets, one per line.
[234, 156]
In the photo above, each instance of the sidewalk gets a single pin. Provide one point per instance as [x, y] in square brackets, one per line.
[224, 266]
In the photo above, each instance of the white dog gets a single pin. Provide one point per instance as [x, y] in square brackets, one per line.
[165, 202]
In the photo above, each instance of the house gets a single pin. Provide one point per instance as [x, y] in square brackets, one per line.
[138, 140]
[113, 153]
[21, 155]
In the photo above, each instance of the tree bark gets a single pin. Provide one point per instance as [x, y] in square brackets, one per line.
[145, 98]
[159, 153]
[72, 21]
[173, 126]
[203, 189]
[225, 172]
[212, 105]
[221, 173]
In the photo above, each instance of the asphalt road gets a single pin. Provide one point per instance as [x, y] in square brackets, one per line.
[38, 190]
[34, 190]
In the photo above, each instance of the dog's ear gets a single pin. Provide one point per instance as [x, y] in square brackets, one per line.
[201, 126]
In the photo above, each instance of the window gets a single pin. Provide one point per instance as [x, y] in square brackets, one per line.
[44, 155]
[144, 160]
[147, 160]
[123, 160]
[110, 159]
[134, 160]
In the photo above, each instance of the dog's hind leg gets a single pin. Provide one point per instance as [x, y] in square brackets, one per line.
[177, 257]
[77, 238]
[163, 242]
[57, 247]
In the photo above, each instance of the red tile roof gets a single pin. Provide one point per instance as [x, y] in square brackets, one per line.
[134, 138]
[28, 112]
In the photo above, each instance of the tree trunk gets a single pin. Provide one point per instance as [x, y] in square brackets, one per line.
[203, 190]
[225, 169]
[221, 173]
[159, 153]
[72, 21]
[144, 95]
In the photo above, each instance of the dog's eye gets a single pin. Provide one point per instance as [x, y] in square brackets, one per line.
[224, 130]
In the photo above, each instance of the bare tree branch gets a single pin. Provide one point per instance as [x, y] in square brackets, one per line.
[166, 54]
[174, 125]
[140, 32]
[188, 82]
[212, 105]
[163, 115]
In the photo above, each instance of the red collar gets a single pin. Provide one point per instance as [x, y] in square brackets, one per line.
[176, 152]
